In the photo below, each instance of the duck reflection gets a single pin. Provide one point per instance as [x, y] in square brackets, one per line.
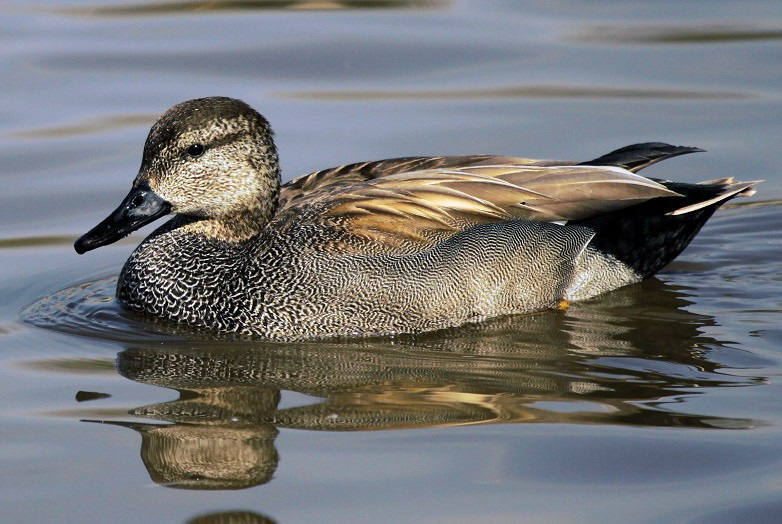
[231, 517]
[220, 438]
[628, 358]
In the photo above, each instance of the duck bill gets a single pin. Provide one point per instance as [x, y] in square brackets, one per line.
[139, 208]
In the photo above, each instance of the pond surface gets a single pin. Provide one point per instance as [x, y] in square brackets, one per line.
[658, 402]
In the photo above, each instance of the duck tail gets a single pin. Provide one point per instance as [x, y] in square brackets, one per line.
[638, 156]
[648, 236]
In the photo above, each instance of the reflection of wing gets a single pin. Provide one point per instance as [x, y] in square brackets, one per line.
[416, 199]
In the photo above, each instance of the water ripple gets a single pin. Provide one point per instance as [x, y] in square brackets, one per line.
[678, 35]
[173, 8]
[86, 127]
[89, 309]
[523, 91]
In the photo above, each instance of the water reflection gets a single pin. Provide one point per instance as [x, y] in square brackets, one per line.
[630, 358]
[202, 450]
[231, 517]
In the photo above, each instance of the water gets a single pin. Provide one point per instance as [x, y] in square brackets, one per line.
[658, 402]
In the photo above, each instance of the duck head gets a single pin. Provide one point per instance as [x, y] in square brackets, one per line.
[212, 159]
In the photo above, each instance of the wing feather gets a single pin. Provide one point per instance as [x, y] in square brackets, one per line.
[406, 199]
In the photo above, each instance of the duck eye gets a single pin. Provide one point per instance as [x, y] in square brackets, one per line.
[196, 150]
[137, 200]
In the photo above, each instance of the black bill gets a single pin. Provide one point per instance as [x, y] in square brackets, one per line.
[140, 207]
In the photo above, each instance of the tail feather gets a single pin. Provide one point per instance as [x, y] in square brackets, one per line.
[729, 190]
[638, 156]
[648, 236]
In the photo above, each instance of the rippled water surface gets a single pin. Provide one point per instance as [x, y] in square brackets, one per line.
[658, 402]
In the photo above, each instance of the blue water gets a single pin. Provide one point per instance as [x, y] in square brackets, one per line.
[658, 402]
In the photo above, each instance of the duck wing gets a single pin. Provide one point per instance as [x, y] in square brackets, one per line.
[348, 175]
[421, 200]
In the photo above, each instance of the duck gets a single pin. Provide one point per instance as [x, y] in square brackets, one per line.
[386, 247]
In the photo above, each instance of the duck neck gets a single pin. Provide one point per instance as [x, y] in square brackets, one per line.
[237, 227]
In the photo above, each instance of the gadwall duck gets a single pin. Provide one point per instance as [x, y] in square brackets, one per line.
[393, 246]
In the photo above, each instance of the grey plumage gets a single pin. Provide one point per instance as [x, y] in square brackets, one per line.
[395, 246]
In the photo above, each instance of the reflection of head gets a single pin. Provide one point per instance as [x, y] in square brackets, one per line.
[209, 457]
[231, 517]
